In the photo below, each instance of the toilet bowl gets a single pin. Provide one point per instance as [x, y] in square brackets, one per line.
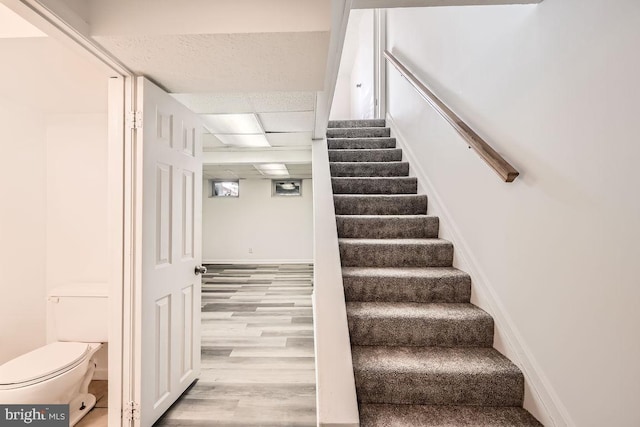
[60, 372]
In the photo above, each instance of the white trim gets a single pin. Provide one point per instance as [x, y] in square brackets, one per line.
[257, 261]
[380, 63]
[336, 400]
[540, 397]
[115, 179]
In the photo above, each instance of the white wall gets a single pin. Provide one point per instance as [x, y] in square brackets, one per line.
[362, 96]
[341, 106]
[553, 255]
[76, 199]
[54, 183]
[356, 67]
[22, 230]
[277, 229]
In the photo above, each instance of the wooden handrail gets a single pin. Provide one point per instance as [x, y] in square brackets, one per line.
[507, 172]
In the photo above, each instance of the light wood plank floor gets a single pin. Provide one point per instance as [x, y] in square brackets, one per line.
[257, 350]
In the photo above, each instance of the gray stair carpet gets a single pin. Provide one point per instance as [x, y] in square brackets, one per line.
[422, 353]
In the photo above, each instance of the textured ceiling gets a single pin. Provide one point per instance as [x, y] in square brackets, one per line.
[196, 63]
[259, 57]
[145, 17]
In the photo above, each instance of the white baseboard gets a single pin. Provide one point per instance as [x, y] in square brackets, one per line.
[540, 397]
[257, 261]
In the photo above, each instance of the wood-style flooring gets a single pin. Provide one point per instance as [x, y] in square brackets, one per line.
[257, 350]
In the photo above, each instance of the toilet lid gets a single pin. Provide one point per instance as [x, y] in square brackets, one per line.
[43, 362]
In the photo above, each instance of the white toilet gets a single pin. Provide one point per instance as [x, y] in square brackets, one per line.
[60, 372]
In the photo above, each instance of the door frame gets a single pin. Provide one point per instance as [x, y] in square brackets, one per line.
[65, 26]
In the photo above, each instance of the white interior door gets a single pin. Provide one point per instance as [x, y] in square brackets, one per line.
[167, 296]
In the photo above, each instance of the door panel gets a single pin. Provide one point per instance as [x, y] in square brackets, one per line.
[167, 309]
[163, 214]
[188, 195]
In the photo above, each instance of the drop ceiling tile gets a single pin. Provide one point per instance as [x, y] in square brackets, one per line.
[231, 123]
[289, 139]
[300, 121]
[210, 141]
[215, 103]
[230, 171]
[247, 102]
[244, 140]
[300, 171]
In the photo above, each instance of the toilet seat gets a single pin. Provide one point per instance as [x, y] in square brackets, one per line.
[42, 364]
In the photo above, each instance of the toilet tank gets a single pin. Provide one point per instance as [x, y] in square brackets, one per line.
[80, 312]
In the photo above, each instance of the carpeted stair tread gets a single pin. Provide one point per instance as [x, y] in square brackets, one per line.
[383, 415]
[421, 351]
[375, 185]
[363, 169]
[436, 376]
[417, 324]
[387, 226]
[395, 252]
[366, 155]
[433, 284]
[380, 204]
[360, 143]
[356, 123]
[358, 132]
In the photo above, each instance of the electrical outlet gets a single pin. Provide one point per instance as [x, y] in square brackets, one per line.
[250, 250]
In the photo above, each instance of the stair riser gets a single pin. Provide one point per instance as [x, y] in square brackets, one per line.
[385, 155]
[372, 205]
[382, 169]
[387, 228]
[440, 389]
[381, 415]
[362, 132]
[475, 332]
[387, 255]
[398, 289]
[360, 143]
[395, 185]
[356, 123]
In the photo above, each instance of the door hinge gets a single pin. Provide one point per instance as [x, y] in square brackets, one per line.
[131, 411]
[134, 119]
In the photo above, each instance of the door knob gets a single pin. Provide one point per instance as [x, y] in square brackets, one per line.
[200, 269]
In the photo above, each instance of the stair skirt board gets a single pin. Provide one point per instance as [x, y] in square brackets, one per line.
[422, 353]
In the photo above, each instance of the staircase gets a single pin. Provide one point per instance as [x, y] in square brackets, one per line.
[422, 354]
